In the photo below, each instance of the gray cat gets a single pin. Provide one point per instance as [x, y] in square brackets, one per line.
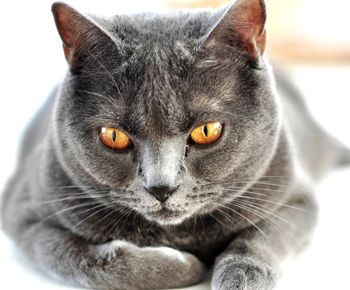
[170, 148]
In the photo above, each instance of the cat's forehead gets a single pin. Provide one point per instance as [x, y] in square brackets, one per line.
[163, 82]
[159, 104]
[156, 87]
[168, 93]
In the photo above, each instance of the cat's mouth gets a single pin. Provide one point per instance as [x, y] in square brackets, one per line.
[167, 216]
[166, 213]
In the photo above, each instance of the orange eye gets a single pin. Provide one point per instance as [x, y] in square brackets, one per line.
[114, 138]
[207, 133]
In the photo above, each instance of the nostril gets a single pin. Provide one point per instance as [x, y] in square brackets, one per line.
[161, 193]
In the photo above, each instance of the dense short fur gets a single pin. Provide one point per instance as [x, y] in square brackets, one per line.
[81, 211]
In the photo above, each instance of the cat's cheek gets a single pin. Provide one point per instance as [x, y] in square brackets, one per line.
[212, 166]
[114, 170]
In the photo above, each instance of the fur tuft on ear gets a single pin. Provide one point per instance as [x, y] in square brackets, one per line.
[76, 31]
[244, 21]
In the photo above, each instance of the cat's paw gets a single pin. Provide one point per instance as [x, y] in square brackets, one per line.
[179, 269]
[237, 273]
[150, 267]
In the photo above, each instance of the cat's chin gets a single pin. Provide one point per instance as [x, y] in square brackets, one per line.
[167, 216]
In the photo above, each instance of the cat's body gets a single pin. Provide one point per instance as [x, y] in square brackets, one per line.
[78, 211]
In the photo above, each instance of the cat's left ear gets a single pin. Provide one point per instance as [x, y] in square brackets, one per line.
[243, 23]
[77, 31]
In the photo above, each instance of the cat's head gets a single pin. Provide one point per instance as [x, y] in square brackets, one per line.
[165, 113]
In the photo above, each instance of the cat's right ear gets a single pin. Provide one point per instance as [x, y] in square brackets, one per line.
[78, 32]
[243, 24]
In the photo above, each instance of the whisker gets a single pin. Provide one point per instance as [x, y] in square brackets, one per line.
[268, 189]
[217, 220]
[80, 186]
[270, 184]
[257, 213]
[256, 205]
[195, 222]
[239, 189]
[275, 203]
[92, 214]
[105, 217]
[69, 198]
[63, 193]
[201, 219]
[246, 183]
[78, 196]
[127, 216]
[133, 221]
[152, 223]
[247, 219]
[68, 209]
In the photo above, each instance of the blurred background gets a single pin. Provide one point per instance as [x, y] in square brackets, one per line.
[310, 39]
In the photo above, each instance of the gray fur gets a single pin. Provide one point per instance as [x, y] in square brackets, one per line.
[80, 211]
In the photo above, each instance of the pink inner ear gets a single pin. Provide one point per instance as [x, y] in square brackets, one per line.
[248, 20]
[252, 15]
[70, 25]
[245, 20]
[65, 18]
[68, 53]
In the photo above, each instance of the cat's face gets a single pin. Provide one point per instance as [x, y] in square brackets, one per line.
[157, 89]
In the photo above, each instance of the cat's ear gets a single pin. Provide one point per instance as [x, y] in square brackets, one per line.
[243, 22]
[78, 32]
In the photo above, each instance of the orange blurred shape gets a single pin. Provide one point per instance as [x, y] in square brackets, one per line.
[287, 40]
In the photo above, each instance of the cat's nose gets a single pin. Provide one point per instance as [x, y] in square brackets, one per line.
[161, 193]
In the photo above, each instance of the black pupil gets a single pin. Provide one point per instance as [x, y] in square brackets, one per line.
[205, 131]
[114, 135]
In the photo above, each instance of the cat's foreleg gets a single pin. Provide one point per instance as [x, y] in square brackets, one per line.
[252, 261]
[115, 265]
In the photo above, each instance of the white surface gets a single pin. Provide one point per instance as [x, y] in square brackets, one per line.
[32, 63]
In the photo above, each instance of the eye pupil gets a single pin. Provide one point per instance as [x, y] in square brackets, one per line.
[207, 134]
[114, 138]
[205, 131]
[114, 135]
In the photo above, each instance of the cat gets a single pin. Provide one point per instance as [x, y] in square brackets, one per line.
[171, 148]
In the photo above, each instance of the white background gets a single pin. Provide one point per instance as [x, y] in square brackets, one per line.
[32, 63]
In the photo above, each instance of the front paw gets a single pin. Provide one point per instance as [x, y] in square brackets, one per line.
[238, 273]
[127, 266]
